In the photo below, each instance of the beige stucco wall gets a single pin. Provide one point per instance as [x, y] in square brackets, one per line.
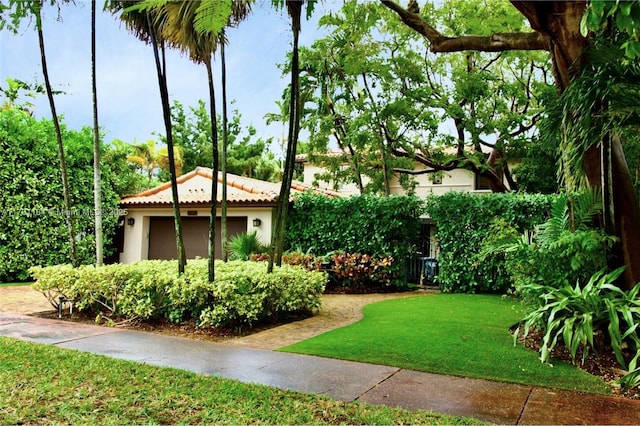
[454, 180]
[136, 236]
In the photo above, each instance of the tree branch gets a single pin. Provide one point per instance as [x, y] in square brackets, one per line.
[496, 42]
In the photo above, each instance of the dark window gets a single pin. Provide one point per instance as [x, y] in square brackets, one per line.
[483, 183]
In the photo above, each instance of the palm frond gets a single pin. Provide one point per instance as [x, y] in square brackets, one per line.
[212, 16]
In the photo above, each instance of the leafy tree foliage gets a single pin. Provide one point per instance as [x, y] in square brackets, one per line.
[247, 154]
[32, 219]
[126, 179]
[371, 90]
[557, 26]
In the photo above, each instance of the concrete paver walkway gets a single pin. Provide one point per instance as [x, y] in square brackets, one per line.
[349, 381]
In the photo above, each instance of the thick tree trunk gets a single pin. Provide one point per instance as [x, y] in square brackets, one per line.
[561, 22]
[626, 214]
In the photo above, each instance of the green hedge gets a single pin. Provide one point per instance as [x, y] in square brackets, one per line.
[465, 221]
[362, 224]
[33, 228]
[242, 294]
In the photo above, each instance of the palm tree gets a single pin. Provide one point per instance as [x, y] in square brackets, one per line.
[144, 26]
[149, 159]
[36, 7]
[277, 239]
[181, 25]
[97, 192]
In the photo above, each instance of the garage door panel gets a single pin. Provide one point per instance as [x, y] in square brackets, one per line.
[195, 231]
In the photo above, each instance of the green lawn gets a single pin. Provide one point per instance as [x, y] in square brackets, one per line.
[42, 384]
[15, 284]
[457, 334]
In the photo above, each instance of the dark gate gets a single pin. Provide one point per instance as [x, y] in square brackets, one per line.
[420, 267]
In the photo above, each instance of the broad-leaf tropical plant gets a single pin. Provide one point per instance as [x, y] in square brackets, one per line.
[574, 314]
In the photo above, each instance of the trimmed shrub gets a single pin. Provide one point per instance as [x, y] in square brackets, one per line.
[242, 294]
[361, 270]
[465, 221]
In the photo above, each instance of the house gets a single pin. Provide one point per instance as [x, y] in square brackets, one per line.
[426, 183]
[149, 231]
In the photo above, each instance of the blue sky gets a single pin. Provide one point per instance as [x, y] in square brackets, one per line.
[128, 97]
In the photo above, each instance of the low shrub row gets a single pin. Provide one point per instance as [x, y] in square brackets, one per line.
[348, 272]
[242, 294]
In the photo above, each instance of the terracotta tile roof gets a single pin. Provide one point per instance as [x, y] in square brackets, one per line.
[194, 188]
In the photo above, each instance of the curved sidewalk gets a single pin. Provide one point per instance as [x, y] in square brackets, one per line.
[349, 381]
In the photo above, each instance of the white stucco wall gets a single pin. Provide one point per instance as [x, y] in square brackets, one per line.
[455, 180]
[136, 236]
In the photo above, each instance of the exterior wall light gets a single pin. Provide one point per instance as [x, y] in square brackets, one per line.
[257, 222]
[131, 221]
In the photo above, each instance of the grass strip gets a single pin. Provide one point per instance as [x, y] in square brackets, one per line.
[457, 334]
[15, 284]
[42, 384]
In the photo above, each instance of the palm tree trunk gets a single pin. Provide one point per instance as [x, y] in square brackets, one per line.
[63, 164]
[166, 112]
[97, 191]
[223, 159]
[214, 173]
[282, 208]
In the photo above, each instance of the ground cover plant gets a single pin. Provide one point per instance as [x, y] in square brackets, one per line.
[457, 334]
[93, 389]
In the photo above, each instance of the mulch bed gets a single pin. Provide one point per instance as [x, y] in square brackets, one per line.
[187, 329]
[602, 364]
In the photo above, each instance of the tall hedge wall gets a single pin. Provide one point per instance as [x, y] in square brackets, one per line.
[32, 222]
[374, 225]
[464, 222]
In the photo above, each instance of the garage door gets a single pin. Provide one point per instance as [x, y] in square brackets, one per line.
[195, 231]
